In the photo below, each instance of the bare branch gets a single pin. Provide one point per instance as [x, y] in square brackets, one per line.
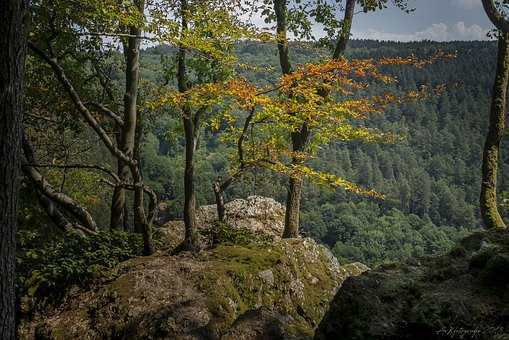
[108, 112]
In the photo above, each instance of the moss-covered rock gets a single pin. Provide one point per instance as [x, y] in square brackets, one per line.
[461, 295]
[281, 288]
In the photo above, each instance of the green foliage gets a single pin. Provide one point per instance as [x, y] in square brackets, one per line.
[222, 233]
[47, 270]
[430, 180]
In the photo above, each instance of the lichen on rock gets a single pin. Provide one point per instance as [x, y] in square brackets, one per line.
[209, 295]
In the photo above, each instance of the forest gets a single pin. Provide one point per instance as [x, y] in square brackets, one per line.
[209, 169]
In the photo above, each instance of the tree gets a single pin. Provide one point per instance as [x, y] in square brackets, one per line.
[488, 200]
[13, 16]
[61, 30]
[489, 207]
[204, 33]
[127, 140]
[323, 13]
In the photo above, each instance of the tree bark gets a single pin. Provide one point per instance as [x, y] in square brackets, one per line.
[218, 193]
[346, 29]
[13, 14]
[189, 192]
[488, 201]
[128, 129]
[292, 216]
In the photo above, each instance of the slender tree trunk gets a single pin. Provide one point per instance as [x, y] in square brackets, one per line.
[292, 216]
[219, 194]
[280, 9]
[128, 131]
[190, 242]
[488, 201]
[13, 13]
[118, 217]
[295, 184]
[344, 36]
[191, 125]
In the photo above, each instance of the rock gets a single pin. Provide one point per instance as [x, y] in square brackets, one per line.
[256, 214]
[260, 324]
[279, 290]
[441, 297]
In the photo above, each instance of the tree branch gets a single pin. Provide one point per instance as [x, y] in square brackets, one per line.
[108, 112]
[497, 18]
[84, 111]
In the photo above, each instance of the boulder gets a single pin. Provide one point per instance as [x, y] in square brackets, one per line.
[256, 213]
[278, 290]
[460, 295]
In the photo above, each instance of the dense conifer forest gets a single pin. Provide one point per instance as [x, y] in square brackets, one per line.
[431, 177]
[210, 169]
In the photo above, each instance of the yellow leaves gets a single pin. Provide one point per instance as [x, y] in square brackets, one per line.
[323, 178]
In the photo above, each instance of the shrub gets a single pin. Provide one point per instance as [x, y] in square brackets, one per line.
[47, 270]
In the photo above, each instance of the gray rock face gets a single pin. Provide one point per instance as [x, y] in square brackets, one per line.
[256, 213]
[460, 295]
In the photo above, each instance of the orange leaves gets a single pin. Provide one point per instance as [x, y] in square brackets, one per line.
[332, 99]
[415, 61]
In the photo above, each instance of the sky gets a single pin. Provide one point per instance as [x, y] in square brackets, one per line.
[439, 20]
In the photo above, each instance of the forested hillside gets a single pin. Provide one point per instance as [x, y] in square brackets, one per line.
[431, 177]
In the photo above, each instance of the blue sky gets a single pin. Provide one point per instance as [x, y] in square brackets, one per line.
[441, 20]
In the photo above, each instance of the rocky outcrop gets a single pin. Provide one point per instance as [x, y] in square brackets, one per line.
[258, 291]
[461, 295]
[256, 215]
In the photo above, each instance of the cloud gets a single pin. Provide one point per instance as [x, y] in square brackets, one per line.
[436, 32]
[466, 4]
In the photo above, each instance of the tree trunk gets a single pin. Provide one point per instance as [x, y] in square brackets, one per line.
[295, 184]
[282, 41]
[128, 130]
[12, 60]
[344, 37]
[218, 193]
[488, 201]
[189, 193]
[191, 125]
[292, 219]
[191, 239]
[118, 217]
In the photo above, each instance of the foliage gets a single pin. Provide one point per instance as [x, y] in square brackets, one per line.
[47, 270]
[432, 173]
[222, 233]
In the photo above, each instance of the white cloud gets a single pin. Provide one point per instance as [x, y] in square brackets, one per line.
[466, 4]
[436, 32]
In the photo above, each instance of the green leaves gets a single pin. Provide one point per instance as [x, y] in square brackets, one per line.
[47, 272]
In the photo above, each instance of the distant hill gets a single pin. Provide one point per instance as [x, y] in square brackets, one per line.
[431, 179]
